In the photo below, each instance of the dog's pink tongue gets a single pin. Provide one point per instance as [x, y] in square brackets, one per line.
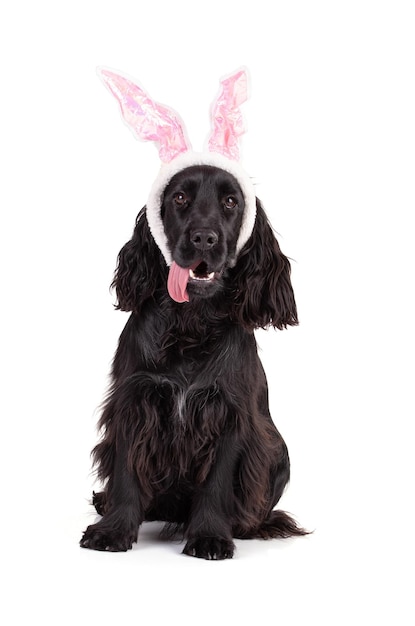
[177, 283]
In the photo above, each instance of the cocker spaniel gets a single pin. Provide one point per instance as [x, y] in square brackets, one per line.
[187, 436]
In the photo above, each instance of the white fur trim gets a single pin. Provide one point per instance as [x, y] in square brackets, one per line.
[187, 159]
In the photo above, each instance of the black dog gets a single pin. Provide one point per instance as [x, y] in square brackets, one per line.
[187, 433]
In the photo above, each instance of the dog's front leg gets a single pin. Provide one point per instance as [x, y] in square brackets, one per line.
[209, 532]
[118, 529]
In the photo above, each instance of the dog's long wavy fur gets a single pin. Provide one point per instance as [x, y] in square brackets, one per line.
[187, 436]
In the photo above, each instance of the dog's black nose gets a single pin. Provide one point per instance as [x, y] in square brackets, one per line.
[204, 238]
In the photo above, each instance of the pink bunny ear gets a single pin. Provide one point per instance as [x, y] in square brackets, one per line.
[227, 118]
[149, 120]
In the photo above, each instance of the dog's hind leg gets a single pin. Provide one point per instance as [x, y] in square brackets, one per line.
[273, 524]
[99, 501]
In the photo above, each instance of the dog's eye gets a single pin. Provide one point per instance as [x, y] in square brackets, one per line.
[180, 198]
[230, 202]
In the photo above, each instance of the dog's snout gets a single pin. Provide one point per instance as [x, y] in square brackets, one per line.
[204, 238]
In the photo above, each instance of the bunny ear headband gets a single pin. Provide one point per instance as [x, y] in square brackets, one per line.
[152, 121]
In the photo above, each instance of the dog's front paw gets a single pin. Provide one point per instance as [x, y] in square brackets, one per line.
[210, 548]
[101, 537]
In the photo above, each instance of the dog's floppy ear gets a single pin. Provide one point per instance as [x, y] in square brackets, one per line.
[140, 270]
[263, 293]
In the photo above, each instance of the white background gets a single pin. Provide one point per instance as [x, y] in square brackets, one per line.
[331, 146]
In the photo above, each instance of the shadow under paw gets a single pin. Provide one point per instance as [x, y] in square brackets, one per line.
[210, 548]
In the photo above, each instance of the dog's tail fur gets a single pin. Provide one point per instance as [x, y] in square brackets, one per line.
[279, 525]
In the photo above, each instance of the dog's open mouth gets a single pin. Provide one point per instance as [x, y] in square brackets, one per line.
[179, 277]
[200, 272]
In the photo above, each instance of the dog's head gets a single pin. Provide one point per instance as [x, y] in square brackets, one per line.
[202, 212]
